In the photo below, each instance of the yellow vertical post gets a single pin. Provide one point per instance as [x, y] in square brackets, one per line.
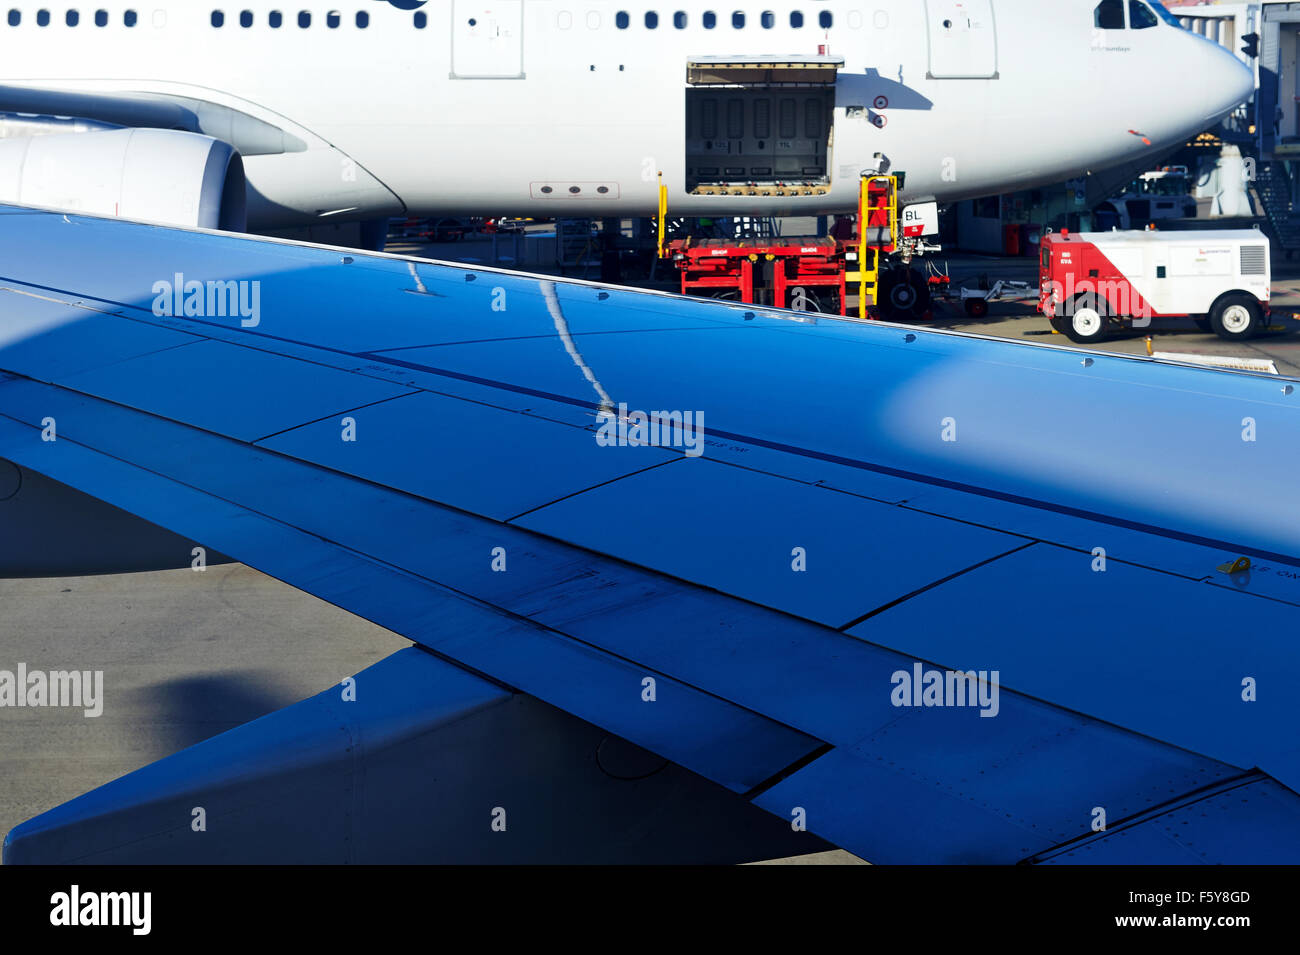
[870, 251]
[862, 247]
[893, 212]
[663, 212]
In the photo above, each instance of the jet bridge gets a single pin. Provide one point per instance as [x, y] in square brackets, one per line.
[760, 125]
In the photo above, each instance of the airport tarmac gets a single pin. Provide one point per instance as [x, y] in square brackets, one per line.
[187, 655]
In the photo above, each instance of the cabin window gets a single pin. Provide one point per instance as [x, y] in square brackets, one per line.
[622, 20]
[1109, 15]
[826, 19]
[130, 18]
[246, 19]
[738, 20]
[275, 18]
[72, 18]
[796, 19]
[680, 20]
[363, 19]
[101, 18]
[333, 19]
[651, 20]
[1140, 16]
[15, 18]
[42, 18]
[710, 20]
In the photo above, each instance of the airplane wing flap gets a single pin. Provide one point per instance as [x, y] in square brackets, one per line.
[939, 824]
[467, 455]
[1033, 783]
[1181, 557]
[273, 393]
[1237, 822]
[50, 337]
[1171, 648]
[757, 536]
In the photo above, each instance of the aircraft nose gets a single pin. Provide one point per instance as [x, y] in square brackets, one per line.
[1225, 81]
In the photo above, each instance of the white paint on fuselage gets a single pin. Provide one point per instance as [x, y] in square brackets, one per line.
[601, 104]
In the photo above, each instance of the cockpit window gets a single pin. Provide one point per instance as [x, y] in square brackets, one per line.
[1165, 15]
[1109, 15]
[1140, 16]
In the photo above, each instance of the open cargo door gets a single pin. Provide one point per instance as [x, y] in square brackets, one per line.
[760, 125]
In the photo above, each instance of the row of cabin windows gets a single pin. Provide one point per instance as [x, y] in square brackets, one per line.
[274, 19]
[72, 18]
[709, 19]
[622, 20]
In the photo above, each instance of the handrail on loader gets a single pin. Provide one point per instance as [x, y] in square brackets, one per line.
[663, 215]
[869, 221]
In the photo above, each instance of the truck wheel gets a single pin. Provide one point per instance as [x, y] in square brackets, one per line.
[1237, 317]
[1087, 323]
[976, 307]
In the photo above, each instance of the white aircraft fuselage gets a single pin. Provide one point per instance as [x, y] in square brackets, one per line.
[554, 108]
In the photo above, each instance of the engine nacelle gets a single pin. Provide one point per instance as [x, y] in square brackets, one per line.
[154, 175]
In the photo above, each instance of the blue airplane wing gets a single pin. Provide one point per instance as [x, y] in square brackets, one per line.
[936, 597]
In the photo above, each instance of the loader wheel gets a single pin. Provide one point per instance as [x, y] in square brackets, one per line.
[904, 295]
[1086, 324]
[1237, 317]
[976, 307]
